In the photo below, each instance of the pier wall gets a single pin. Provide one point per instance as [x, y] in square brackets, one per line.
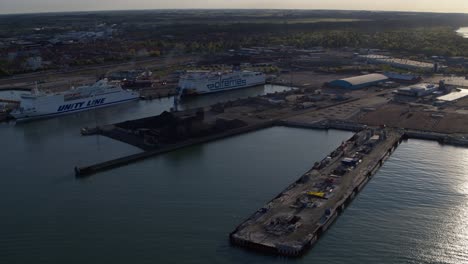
[324, 124]
[89, 170]
[446, 139]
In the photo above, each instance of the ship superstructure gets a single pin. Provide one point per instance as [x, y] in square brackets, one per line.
[202, 82]
[100, 94]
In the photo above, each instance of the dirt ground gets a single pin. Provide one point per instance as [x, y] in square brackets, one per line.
[419, 117]
[344, 111]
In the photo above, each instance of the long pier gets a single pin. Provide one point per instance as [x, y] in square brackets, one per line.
[296, 218]
[82, 172]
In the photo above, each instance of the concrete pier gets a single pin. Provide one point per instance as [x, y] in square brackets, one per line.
[296, 218]
[81, 172]
[324, 124]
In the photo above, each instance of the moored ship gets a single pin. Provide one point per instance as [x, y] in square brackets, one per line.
[43, 105]
[202, 82]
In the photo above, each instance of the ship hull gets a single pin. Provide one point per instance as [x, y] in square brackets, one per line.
[53, 106]
[200, 85]
[193, 92]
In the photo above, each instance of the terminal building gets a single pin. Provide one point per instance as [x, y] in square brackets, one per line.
[403, 78]
[418, 90]
[359, 82]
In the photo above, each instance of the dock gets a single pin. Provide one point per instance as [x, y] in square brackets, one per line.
[81, 172]
[296, 218]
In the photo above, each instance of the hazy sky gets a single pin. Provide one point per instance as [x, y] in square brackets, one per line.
[28, 6]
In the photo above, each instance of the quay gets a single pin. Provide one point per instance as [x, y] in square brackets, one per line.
[81, 172]
[296, 218]
[253, 124]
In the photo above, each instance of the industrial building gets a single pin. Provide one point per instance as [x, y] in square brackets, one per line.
[403, 78]
[418, 90]
[359, 82]
[401, 63]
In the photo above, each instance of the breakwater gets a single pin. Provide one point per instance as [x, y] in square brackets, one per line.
[89, 170]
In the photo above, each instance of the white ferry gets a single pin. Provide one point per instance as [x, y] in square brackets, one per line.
[100, 94]
[202, 82]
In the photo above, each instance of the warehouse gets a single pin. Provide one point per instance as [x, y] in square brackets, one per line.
[401, 63]
[359, 82]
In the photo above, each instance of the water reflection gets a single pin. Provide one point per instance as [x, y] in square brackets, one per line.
[463, 31]
[180, 158]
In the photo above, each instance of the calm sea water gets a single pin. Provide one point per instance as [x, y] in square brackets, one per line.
[181, 206]
[413, 211]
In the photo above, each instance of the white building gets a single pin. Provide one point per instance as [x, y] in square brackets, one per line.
[418, 90]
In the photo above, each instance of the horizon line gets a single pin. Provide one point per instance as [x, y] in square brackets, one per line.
[214, 9]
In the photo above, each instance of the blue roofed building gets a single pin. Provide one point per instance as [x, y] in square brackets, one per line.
[359, 82]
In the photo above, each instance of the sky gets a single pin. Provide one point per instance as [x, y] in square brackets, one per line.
[33, 6]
